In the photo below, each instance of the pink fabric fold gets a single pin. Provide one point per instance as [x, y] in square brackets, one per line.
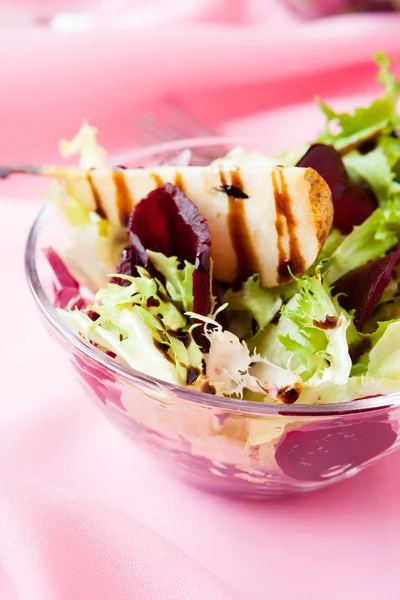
[55, 547]
[108, 75]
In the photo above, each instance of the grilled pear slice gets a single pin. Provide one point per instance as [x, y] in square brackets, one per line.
[267, 220]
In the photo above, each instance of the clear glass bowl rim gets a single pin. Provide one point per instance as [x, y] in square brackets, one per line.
[135, 377]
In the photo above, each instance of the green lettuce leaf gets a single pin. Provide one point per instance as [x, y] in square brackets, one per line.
[94, 244]
[74, 212]
[240, 157]
[262, 304]
[374, 168]
[182, 350]
[132, 341]
[234, 370]
[378, 165]
[360, 348]
[153, 337]
[311, 335]
[371, 240]
[355, 387]
[363, 124]
[366, 122]
[141, 289]
[179, 281]
[384, 358]
[333, 241]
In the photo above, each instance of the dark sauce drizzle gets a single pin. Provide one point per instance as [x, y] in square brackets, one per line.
[365, 144]
[284, 215]
[368, 145]
[234, 192]
[125, 201]
[289, 394]
[163, 348]
[328, 322]
[357, 349]
[96, 197]
[191, 375]
[207, 388]
[182, 336]
[238, 230]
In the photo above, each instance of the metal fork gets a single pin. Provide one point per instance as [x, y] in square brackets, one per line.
[177, 124]
[171, 124]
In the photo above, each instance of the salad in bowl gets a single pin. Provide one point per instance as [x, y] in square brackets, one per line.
[260, 292]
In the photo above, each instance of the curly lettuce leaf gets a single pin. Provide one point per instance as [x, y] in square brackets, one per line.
[234, 370]
[365, 138]
[355, 387]
[374, 168]
[371, 240]
[311, 335]
[181, 350]
[131, 341]
[364, 123]
[262, 304]
[142, 291]
[142, 328]
[84, 144]
[361, 348]
[178, 280]
[384, 358]
[359, 126]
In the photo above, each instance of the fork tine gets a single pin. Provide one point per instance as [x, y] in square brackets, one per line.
[184, 116]
[175, 124]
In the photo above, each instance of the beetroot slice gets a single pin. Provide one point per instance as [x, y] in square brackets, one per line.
[318, 453]
[362, 287]
[352, 203]
[130, 258]
[167, 221]
[327, 161]
[354, 207]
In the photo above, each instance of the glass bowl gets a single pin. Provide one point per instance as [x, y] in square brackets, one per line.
[237, 447]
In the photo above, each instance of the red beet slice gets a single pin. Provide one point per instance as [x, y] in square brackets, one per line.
[167, 221]
[131, 257]
[362, 287]
[327, 161]
[354, 207]
[317, 453]
[352, 203]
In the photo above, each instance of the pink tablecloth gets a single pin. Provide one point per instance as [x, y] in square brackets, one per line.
[77, 501]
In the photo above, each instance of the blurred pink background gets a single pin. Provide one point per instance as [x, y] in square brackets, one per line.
[75, 497]
[125, 58]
